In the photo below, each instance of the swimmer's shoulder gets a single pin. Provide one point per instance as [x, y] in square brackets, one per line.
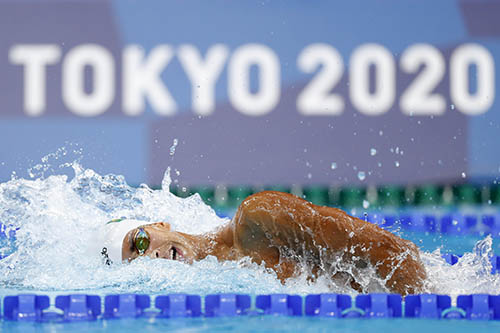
[273, 198]
[281, 203]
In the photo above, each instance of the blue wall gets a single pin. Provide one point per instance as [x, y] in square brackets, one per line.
[280, 145]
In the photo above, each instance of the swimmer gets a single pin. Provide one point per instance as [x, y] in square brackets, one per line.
[282, 232]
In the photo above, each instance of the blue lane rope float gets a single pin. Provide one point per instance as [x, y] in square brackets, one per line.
[327, 305]
[380, 305]
[125, 305]
[426, 306]
[279, 304]
[79, 307]
[229, 305]
[25, 307]
[88, 307]
[452, 259]
[182, 305]
[448, 224]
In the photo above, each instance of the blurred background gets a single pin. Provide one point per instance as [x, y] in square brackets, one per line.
[349, 103]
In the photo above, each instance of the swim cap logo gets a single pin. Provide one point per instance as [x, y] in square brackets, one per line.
[105, 257]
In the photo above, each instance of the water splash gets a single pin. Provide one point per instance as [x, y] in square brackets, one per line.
[471, 274]
[57, 217]
[174, 145]
[361, 175]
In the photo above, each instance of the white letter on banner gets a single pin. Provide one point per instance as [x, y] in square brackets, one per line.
[419, 98]
[73, 80]
[382, 99]
[269, 92]
[203, 74]
[316, 99]
[34, 58]
[141, 78]
[461, 59]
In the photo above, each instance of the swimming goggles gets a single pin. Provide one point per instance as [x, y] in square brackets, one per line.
[141, 241]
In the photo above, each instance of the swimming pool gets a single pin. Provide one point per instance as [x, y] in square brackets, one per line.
[45, 257]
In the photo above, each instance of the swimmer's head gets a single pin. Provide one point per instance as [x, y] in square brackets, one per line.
[126, 240]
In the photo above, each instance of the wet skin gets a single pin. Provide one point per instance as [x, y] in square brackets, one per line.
[282, 232]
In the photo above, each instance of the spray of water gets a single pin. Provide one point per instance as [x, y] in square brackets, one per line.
[57, 217]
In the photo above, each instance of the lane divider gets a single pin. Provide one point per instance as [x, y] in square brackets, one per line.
[221, 196]
[446, 224]
[70, 308]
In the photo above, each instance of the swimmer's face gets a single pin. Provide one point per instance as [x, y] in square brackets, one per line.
[157, 241]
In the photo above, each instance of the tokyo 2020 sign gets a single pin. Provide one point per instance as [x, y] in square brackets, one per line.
[287, 93]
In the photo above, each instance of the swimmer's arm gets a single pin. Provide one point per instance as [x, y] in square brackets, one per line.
[279, 219]
[396, 260]
[268, 221]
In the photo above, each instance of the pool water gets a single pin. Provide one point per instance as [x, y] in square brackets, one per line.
[55, 219]
[258, 324]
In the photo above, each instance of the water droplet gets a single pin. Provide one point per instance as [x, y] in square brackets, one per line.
[373, 151]
[174, 145]
[380, 133]
[366, 204]
[334, 166]
[452, 106]
[309, 175]
[396, 163]
[361, 175]
[464, 175]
